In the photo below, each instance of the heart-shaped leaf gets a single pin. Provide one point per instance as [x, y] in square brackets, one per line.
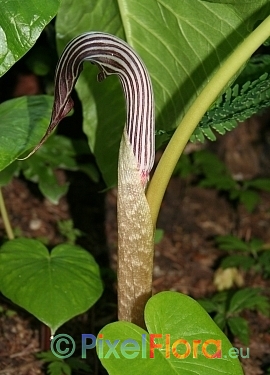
[182, 339]
[23, 123]
[21, 23]
[55, 286]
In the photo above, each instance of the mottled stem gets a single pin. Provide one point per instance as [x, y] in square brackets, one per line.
[135, 240]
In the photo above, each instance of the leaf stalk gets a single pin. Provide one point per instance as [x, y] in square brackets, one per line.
[5, 217]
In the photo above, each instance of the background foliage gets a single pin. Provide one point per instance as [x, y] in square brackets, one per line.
[182, 42]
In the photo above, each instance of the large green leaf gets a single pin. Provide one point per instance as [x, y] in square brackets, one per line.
[182, 42]
[54, 286]
[23, 123]
[21, 23]
[170, 316]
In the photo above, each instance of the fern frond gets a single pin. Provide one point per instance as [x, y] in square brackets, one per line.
[236, 105]
[248, 96]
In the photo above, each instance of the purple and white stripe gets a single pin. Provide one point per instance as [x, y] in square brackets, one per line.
[112, 56]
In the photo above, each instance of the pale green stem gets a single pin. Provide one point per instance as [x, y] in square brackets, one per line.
[209, 94]
[5, 217]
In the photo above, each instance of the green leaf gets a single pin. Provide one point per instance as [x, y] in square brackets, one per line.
[21, 24]
[241, 300]
[221, 298]
[55, 286]
[77, 364]
[256, 244]
[8, 173]
[66, 228]
[242, 261]
[208, 305]
[249, 298]
[260, 183]
[219, 182]
[91, 171]
[50, 187]
[231, 243]
[239, 328]
[249, 198]
[23, 122]
[47, 357]
[220, 320]
[209, 163]
[264, 261]
[171, 316]
[159, 234]
[57, 152]
[59, 368]
[182, 42]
